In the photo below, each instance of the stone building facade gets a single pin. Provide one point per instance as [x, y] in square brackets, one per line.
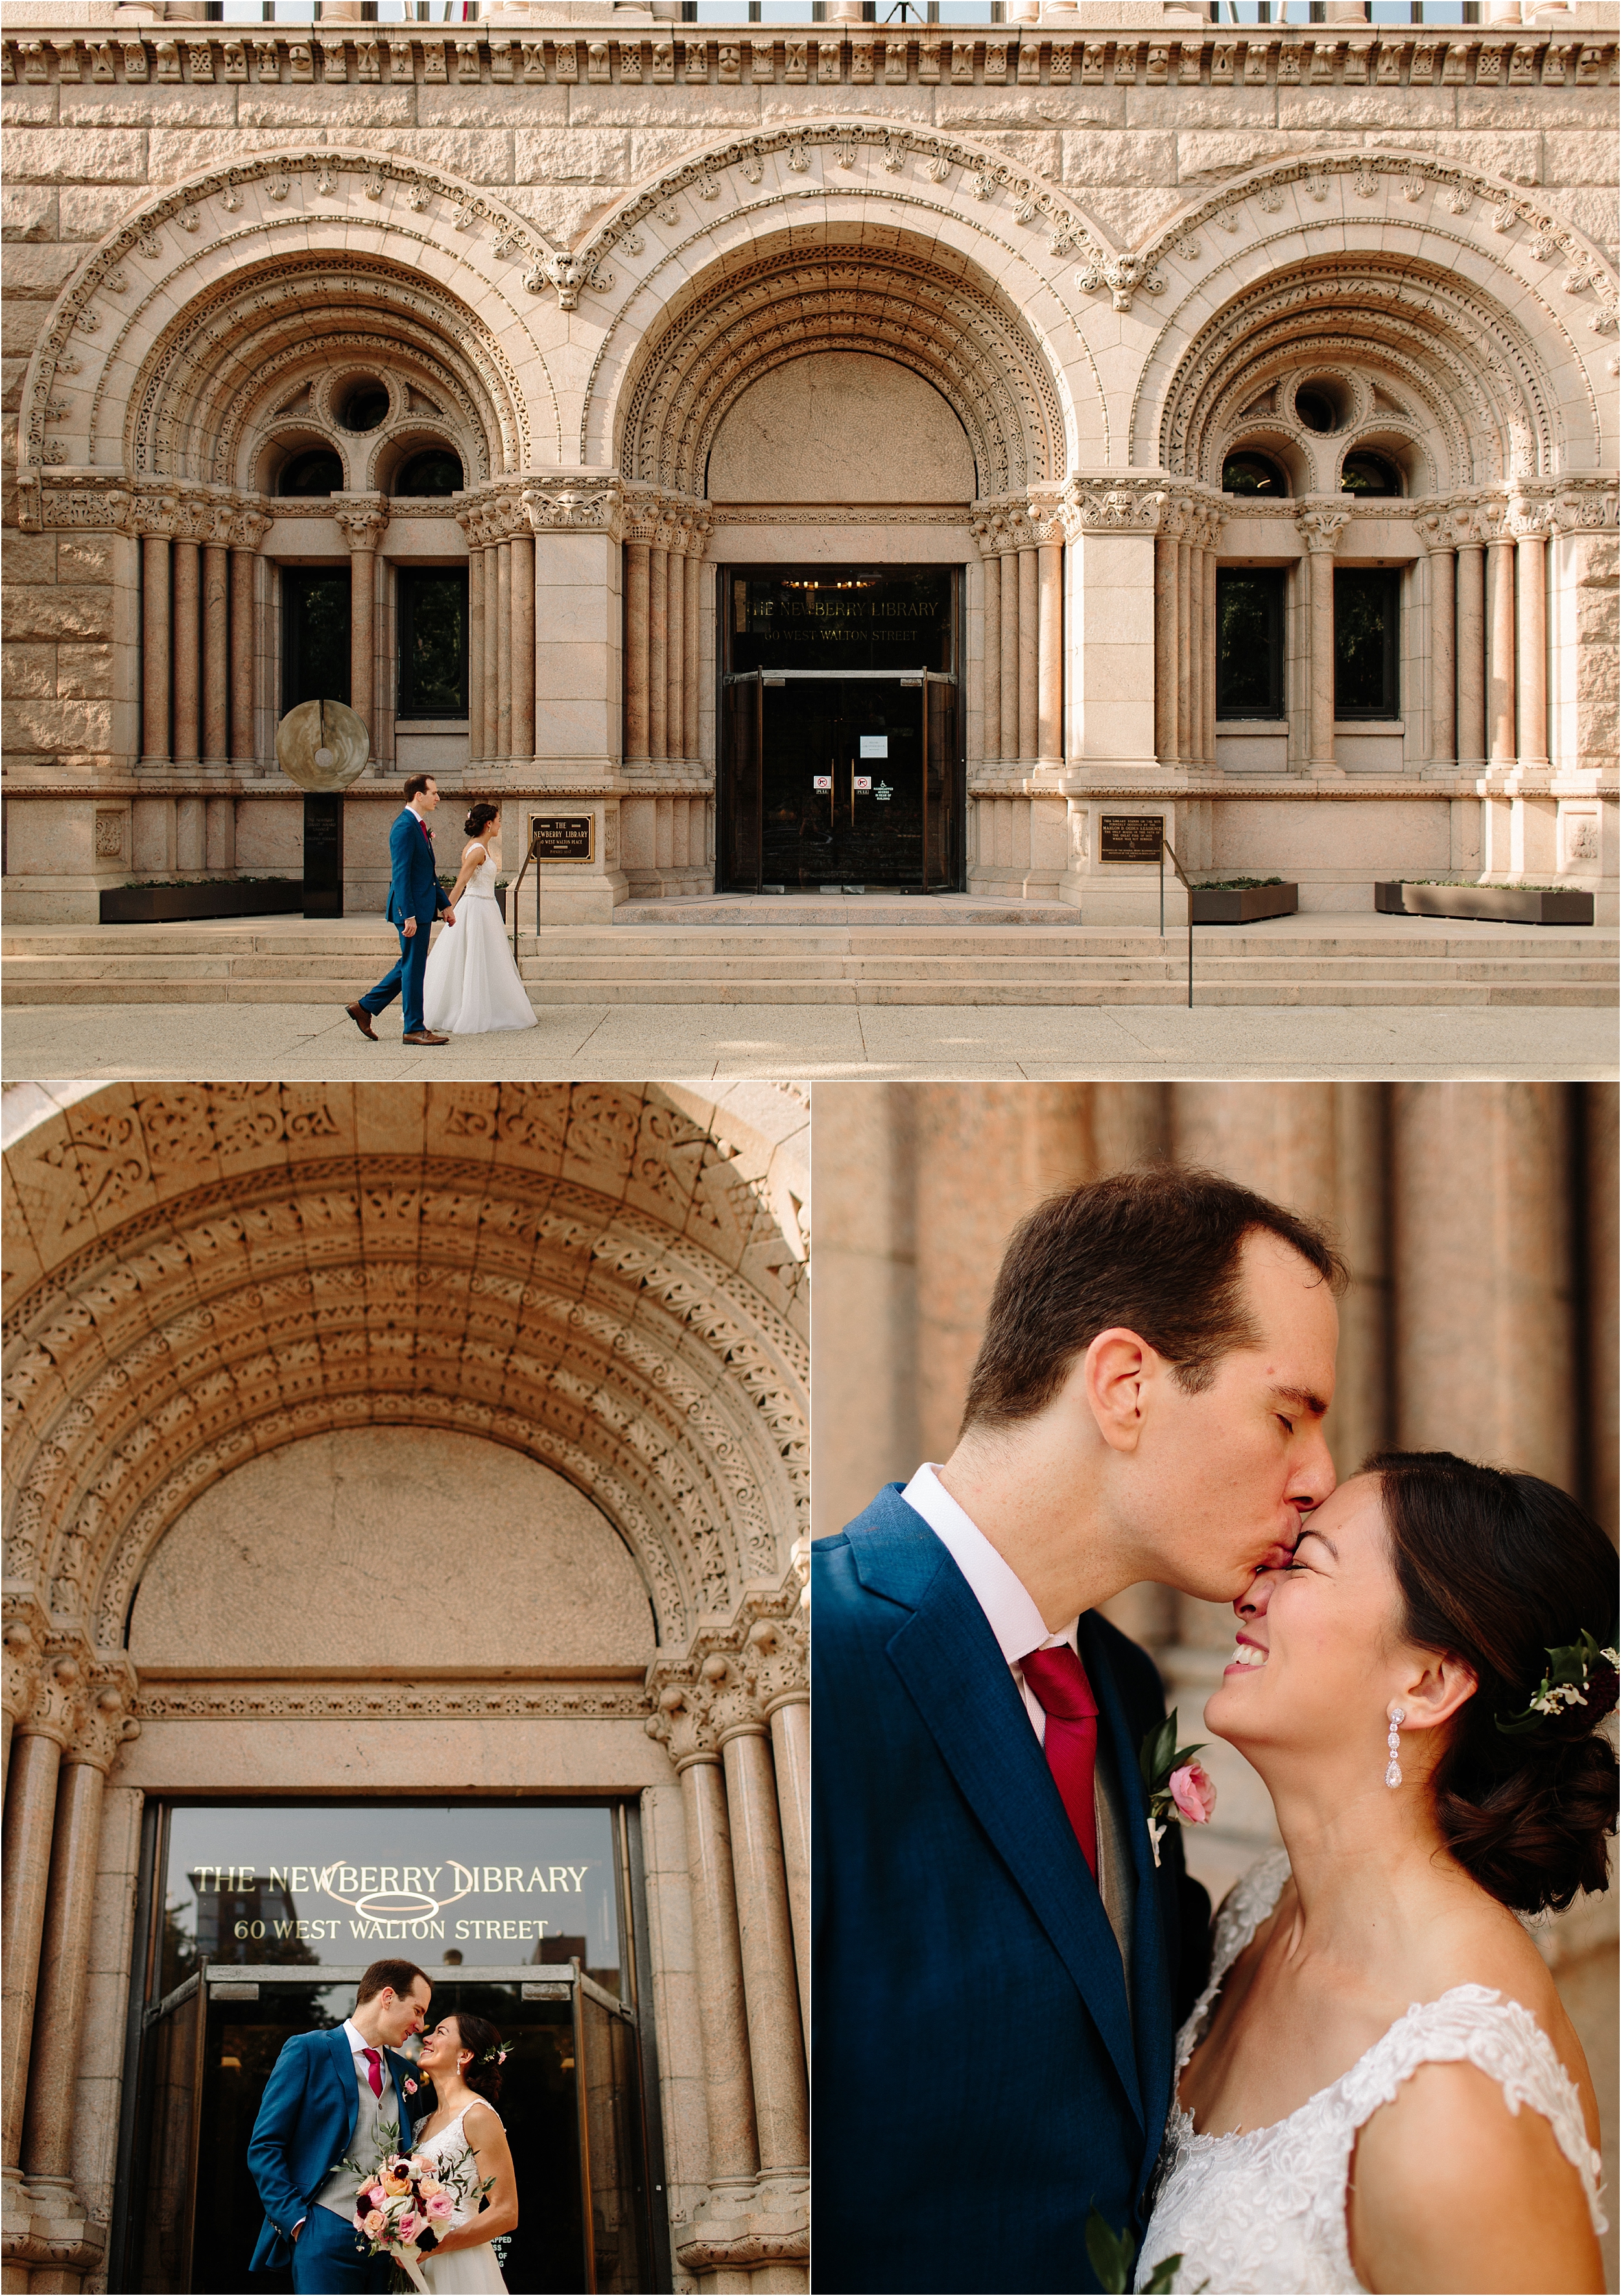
[1472, 1217]
[531, 1361]
[1243, 399]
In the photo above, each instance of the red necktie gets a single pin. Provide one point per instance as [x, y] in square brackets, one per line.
[373, 2071]
[1059, 1682]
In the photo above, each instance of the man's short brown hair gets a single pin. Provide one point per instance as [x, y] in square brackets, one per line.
[417, 786]
[1156, 1251]
[398, 1976]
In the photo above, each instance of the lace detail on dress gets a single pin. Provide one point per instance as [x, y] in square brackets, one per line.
[1264, 2210]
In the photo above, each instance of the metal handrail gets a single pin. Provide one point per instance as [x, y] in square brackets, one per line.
[1165, 847]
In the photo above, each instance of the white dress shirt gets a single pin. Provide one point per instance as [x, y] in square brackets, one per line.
[1019, 1626]
[995, 1586]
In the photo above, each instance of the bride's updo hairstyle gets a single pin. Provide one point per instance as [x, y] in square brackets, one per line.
[1497, 1569]
[479, 817]
[478, 2035]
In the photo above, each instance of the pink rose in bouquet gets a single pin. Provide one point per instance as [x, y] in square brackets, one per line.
[441, 2206]
[1193, 1793]
[372, 2222]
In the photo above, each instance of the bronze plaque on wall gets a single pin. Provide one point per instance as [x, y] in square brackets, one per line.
[1130, 836]
[562, 837]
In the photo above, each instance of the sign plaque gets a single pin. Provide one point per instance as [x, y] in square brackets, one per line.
[562, 837]
[1130, 836]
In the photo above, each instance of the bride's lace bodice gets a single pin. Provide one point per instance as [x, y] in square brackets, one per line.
[453, 2160]
[1264, 2209]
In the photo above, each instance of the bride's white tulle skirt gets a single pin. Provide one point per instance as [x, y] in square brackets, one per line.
[470, 986]
[464, 2272]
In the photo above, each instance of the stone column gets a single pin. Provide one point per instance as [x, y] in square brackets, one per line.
[637, 587]
[1207, 650]
[30, 1814]
[1437, 534]
[776, 2047]
[1029, 654]
[777, 1660]
[692, 639]
[1195, 751]
[475, 653]
[1531, 665]
[1484, 1324]
[216, 654]
[1319, 530]
[1049, 664]
[675, 616]
[364, 526]
[1010, 658]
[991, 654]
[65, 1954]
[657, 652]
[155, 648]
[522, 548]
[1166, 747]
[1469, 640]
[1500, 649]
[504, 647]
[185, 636]
[246, 535]
[1184, 622]
[491, 586]
[683, 1722]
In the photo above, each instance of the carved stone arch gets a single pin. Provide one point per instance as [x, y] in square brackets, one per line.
[593, 1275]
[929, 250]
[1434, 271]
[437, 258]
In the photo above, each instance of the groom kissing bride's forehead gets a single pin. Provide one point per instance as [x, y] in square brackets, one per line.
[1147, 1404]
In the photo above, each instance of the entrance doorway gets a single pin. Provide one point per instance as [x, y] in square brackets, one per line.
[570, 2099]
[841, 748]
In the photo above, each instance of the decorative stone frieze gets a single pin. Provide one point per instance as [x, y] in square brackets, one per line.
[386, 1701]
[1106, 506]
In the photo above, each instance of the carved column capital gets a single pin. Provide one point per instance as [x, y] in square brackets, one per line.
[364, 521]
[1321, 529]
[1436, 529]
[25, 1631]
[60, 1697]
[246, 529]
[107, 1721]
[1115, 506]
[681, 1721]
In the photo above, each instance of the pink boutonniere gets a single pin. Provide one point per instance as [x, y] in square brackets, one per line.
[1178, 1787]
[410, 2087]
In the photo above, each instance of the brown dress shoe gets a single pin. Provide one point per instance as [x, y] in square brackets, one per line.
[362, 1020]
[423, 1037]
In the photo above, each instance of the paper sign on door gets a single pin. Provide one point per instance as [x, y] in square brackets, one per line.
[875, 745]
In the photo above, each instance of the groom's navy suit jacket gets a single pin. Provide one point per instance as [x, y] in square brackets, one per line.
[413, 885]
[305, 2124]
[979, 2078]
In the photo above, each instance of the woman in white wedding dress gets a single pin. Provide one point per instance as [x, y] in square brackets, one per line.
[1380, 2088]
[463, 2136]
[471, 984]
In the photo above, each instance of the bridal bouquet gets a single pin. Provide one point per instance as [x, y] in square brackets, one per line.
[406, 2205]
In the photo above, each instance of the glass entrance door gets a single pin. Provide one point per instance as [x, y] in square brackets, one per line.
[570, 2099]
[839, 730]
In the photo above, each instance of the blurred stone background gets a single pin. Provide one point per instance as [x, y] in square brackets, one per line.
[1480, 1221]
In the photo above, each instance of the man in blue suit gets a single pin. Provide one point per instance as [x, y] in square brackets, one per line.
[415, 898]
[333, 2098]
[1000, 1962]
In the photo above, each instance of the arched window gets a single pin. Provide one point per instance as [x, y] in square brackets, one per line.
[1364, 473]
[437, 472]
[1254, 474]
[366, 406]
[319, 472]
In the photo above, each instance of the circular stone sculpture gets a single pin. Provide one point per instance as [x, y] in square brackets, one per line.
[322, 745]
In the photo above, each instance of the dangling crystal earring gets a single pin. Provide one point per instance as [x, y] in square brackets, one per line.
[1398, 1715]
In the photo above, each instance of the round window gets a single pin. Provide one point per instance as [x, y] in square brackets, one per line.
[1316, 409]
[1253, 475]
[317, 472]
[365, 406]
[437, 472]
[1369, 475]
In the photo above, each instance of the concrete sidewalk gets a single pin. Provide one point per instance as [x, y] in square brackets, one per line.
[602, 1043]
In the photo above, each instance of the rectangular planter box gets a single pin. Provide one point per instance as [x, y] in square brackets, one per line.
[174, 904]
[1221, 904]
[1512, 905]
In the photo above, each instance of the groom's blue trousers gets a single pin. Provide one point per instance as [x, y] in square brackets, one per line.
[404, 980]
[329, 2259]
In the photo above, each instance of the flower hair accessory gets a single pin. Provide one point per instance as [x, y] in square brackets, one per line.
[494, 2055]
[1565, 1683]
